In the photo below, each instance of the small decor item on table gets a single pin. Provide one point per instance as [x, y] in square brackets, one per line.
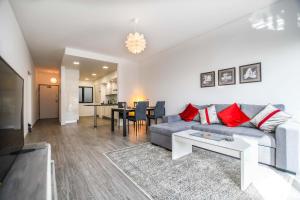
[207, 79]
[189, 113]
[233, 116]
[226, 76]
[209, 115]
[212, 136]
[250, 73]
[269, 118]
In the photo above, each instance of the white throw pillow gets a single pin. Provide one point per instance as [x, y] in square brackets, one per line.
[269, 118]
[209, 115]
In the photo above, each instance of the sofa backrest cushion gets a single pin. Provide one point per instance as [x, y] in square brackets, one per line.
[220, 107]
[252, 110]
[197, 117]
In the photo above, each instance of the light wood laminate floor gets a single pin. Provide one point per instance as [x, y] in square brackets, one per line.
[82, 171]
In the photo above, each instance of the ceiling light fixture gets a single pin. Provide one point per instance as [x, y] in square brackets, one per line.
[53, 80]
[105, 67]
[94, 74]
[76, 63]
[135, 42]
[87, 79]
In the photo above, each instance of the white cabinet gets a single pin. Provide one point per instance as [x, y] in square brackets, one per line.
[114, 86]
[100, 111]
[97, 89]
[104, 108]
[116, 114]
[105, 111]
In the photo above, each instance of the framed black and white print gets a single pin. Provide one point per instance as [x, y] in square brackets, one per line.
[226, 76]
[250, 73]
[207, 79]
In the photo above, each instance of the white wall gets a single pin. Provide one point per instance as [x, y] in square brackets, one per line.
[86, 110]
[13, 49]
[43, 76]
[69, 95]
[174, 75]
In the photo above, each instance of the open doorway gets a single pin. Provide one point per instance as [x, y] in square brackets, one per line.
[48, 101]
[102, 78]
[98, 84]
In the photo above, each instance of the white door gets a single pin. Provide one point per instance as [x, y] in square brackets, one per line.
[48, 101]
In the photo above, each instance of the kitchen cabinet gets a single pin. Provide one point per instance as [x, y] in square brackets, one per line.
[116, 114]
[105, 111]
[97, 89]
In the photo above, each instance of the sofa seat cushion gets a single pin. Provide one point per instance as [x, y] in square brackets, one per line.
[268, 140]
[263, 139]
[221, 129]
[172, 127]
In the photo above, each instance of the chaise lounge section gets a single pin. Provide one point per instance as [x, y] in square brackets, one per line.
[280, 149]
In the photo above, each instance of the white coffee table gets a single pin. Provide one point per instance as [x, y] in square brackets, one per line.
[243, 148]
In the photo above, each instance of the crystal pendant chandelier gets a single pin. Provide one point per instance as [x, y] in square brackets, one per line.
[135, 42]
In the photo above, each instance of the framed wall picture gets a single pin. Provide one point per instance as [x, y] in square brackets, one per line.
[207, 79]
[226, 76]
[250, 73]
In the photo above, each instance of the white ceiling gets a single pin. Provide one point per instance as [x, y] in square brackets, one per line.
[89, 66]
[102, 25]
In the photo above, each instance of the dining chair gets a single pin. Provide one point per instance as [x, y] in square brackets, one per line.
[134, 105]
[159, 112]
[139, 115]
[121, 104]
[136, 102]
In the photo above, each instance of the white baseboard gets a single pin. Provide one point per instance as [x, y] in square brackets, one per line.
[68, 122]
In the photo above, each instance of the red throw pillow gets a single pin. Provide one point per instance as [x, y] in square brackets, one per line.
[232, 116]
[189, 113]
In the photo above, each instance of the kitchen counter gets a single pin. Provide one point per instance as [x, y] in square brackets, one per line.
[108, 104]
[104, 110]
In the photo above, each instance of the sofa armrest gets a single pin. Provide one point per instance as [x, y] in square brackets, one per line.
[288, 147]
[171, 118]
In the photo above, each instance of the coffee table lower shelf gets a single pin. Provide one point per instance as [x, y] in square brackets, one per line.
[243, 148]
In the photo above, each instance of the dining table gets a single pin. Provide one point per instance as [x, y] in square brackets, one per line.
[125, 111]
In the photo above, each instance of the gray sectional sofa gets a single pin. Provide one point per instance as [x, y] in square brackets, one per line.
[280, 149]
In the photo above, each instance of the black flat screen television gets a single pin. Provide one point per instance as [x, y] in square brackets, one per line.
[11, 117]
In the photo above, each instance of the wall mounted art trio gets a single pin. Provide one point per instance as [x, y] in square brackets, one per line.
[248, 74]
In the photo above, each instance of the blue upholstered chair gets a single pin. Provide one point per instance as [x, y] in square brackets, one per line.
[159, 112]
[139, 114]
[121, 104]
